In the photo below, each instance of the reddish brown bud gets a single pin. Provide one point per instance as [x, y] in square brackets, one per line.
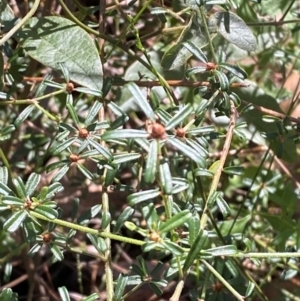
[211, 66]
[74, 158]
[69, 88]
[47, 237]
[180, 132]
[158, 131]
[83, 133]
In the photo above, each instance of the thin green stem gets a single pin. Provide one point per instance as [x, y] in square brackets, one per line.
[46, 112]
[223, 280]
[87, 230]
[221, 164]
[210, 44]
[17, 102]
[267, 255]
[108, 266]
[287, 10]
[21, 23]
[6, 163]
[273, 23]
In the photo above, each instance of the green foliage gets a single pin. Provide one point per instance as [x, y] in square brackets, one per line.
[167, 129]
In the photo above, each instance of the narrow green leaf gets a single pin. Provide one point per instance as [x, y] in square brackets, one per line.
[57, 253]
[223, 206]
[73, 113]
[188, 151]
[23, 115]
[32, 183]
[4, 207]
[165, 177]
[52, 84]
[61, 173]
[57, 164]
[97, 242]
[12, 201]
[92, 297]
[43, 193]
[195, 70]
[90, 91]
[179, 117]
[201, 130]
[15, 221]
[232, 268]
[5, 190]
[155, 289]
[234, 170]
[236, 70]
[124, 134]
[85, 171]
[151, 164]
[197, 147]
[3, 176]
[222, 250]
[163, 115]
[212, 199]
[93, 112]
[64, 145]
[176, 221]
[64, 294]
[141, 100]
[20, 187]
[122, 158]
[88, 215]
[102, 150]
[46, 211]
[53, 189]
[142, 196]
[194, 228]
[195, 50]
[34, 250]
[150, 215]
[124, 216]
[203, 173]
[120, 287]
[105, 220]
[195, 250]
[5, 96]
[173, 248]
[223, 80]
[111, 172]
[250, 289]
[98, 125]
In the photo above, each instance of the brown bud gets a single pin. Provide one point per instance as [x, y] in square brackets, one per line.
[211, 66]
[47, 237]
[69, 88]
[180, 132]
[158, 131]
[74, 158]
[154, 236]
[83, 133]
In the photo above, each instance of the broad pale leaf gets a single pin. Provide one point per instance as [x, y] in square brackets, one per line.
[235, 30]
[55, 40]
